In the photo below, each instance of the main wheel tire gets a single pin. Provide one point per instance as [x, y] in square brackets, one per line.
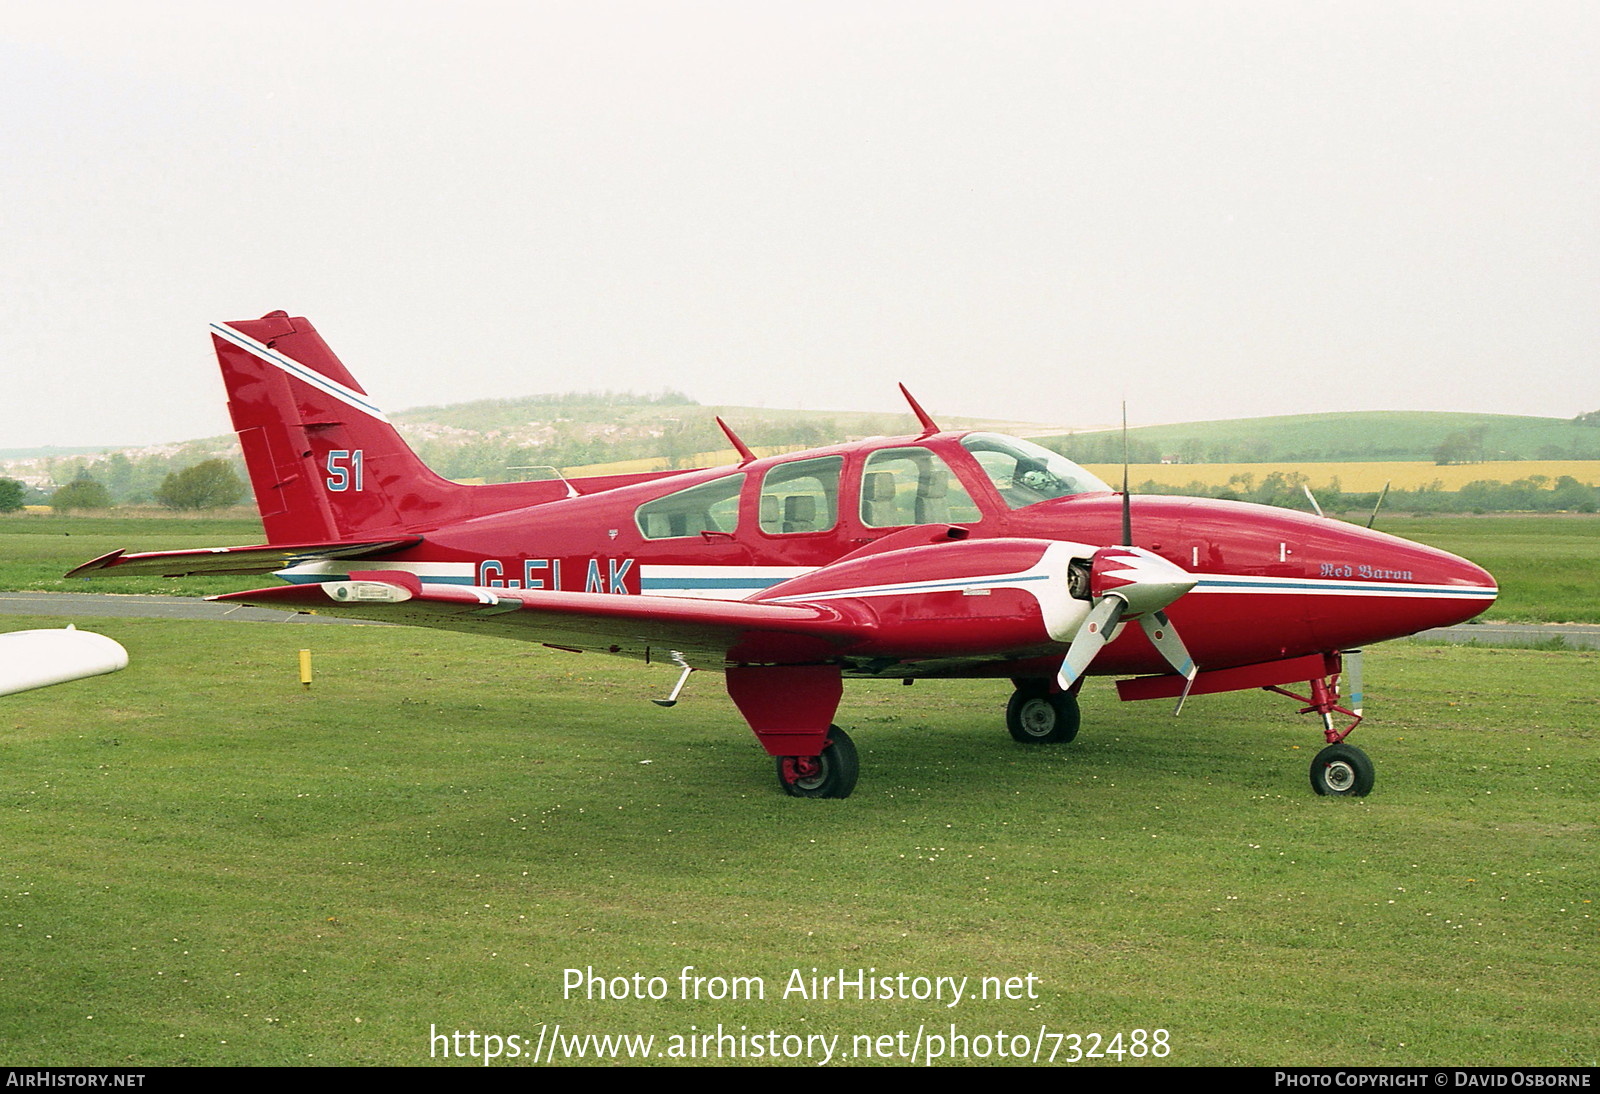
[1036, 717]
[832, 774]
[1342, 771]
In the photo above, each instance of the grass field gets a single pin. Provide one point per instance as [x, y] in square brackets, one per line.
[206, 864]
[1548, 567]
[35, 551]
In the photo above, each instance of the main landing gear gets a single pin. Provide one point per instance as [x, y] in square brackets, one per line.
[831, 774]
[1039, 714]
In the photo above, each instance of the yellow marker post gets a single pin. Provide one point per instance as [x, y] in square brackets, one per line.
[305, 667]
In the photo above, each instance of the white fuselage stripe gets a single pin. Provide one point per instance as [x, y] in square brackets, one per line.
[1232, 583]
[739, 582]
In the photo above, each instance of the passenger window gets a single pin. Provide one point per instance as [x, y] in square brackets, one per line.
[710, 507]
[901, 486]
[801, 497]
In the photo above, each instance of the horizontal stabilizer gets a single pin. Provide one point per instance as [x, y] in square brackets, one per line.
[263, 558]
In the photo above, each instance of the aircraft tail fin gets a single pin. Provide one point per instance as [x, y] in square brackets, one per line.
[325, 463]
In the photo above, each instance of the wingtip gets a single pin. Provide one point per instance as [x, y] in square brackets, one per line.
[105, 560]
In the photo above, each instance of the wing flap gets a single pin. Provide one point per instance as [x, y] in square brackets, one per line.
[708, 633]
[262, 558]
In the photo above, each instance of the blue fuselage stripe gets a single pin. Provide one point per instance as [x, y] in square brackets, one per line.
[1400, 588]
[653, 583]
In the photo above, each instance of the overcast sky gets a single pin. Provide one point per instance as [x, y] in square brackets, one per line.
[1021, 210]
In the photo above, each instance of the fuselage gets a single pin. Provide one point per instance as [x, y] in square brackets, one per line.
[1270, 583]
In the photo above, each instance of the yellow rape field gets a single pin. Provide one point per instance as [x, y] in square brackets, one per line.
[1403, 475]
[1357, 476]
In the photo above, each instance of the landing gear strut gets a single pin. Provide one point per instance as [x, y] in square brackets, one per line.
[1038, 714]
[1340, 770]
[831, 774]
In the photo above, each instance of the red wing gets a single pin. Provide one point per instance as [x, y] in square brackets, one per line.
[261, 558]
[708, 633]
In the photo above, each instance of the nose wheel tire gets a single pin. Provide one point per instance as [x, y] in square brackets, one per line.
[1036, 718]
[1342, 771]
[832, 774]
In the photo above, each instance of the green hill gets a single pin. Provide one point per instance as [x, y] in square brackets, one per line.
[1359, 436]
[498, 439]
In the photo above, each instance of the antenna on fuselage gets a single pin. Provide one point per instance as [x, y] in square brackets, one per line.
[1127, 504]
[928, 426]
[745, 455]
[1375, 508]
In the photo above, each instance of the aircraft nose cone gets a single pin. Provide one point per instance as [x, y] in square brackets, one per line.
[1474, 588]
[1406, 587]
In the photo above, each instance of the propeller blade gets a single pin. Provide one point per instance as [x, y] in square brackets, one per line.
[1158, 628]
[1133, 582]
[1090, 639]
[1177, 710]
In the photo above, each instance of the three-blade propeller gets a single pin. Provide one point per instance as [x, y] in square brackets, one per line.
[1129, 583]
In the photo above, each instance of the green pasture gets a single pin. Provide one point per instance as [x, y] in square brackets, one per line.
[205, 863]
[1548, 567]
[36, 550]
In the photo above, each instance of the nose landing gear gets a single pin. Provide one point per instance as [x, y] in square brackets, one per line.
[1340, 770]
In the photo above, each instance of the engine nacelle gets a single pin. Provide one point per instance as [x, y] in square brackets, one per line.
[961, 596]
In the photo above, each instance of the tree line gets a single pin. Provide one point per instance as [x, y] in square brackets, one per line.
[1286, 489]
[1472, 445]
[213, 484]
[671, 426]
[210, 484]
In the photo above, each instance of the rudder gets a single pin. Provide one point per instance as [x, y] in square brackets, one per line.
[325, 463]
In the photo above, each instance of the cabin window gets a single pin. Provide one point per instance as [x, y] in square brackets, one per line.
[801, 497]
[710, 507]
[901, 486]
[1024, 473]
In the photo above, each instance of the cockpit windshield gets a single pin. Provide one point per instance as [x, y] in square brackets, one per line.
[1025, 473]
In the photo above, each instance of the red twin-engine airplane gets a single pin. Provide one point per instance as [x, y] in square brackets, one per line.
[940, 554]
